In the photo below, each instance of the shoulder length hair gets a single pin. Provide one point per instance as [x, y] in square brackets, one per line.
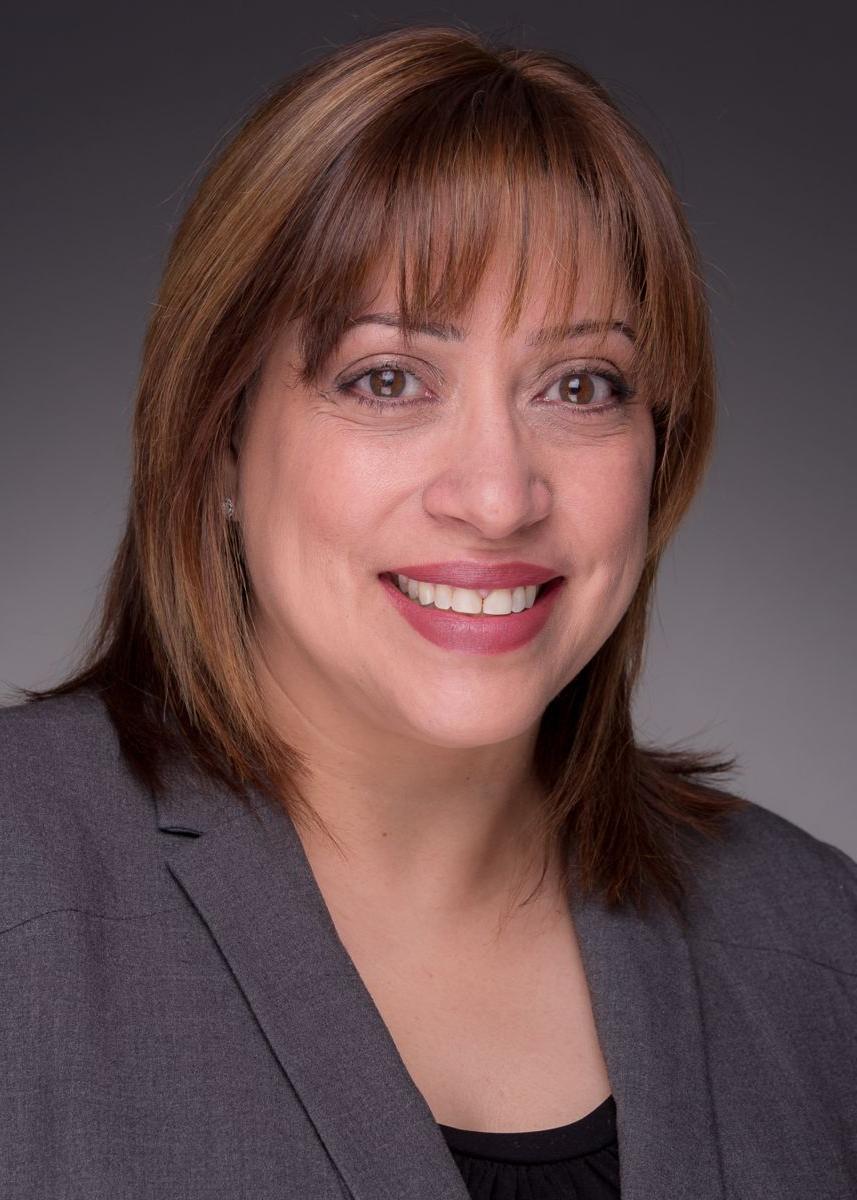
[422, 144]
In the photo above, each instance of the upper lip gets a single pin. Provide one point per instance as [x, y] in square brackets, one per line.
[478, 575]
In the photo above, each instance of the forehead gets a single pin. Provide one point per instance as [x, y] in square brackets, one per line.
[599, 294]
[514, 268]
[555, 267]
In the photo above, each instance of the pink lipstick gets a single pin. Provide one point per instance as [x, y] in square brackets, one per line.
[474, 634]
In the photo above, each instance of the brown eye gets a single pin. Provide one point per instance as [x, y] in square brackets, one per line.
[386, 381]
[387, 387]
[579, 388]
[593, 393]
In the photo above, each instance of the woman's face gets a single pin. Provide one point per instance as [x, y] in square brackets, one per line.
[483, 450]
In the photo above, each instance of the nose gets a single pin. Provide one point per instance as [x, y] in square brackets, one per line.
[492, 476]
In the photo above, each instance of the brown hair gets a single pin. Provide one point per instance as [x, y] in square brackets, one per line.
[357, 156]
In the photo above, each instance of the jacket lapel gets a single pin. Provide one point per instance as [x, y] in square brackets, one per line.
[253, 886]
[255, 891]
[647, 1012]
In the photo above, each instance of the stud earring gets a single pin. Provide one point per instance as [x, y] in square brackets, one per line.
[229, 508]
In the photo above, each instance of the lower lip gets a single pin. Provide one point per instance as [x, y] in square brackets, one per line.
[475, 635]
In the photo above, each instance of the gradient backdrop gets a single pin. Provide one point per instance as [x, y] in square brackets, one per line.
[110, 118]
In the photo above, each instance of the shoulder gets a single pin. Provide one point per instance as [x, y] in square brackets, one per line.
[74, 820]
[56, 756]
[770, 883]
[61, 728]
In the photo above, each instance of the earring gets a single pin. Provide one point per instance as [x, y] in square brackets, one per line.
[229, 508]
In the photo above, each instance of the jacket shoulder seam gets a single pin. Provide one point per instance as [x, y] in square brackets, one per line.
[773, 949]
[87, 912]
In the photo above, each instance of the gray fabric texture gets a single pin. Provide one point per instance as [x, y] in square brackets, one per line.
[179, 1019]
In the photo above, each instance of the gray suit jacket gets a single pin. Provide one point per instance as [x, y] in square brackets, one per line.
[178, 1018]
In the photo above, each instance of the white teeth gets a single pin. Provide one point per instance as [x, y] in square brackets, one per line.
[499, 602]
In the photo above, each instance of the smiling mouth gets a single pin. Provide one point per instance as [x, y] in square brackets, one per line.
[472, 601]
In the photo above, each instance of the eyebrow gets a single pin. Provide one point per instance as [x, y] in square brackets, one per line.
[539, 337]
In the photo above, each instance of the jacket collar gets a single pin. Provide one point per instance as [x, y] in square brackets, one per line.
[252, 884]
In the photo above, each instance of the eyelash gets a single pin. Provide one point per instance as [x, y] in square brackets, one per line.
[346, 387]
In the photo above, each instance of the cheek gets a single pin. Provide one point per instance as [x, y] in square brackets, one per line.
[607, 507]
[307, 505]
[334, 499]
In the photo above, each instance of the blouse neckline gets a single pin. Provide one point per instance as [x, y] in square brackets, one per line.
[590, 1133]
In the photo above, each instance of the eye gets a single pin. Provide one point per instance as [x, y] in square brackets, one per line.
[585, 389]
[582, 391]
[387, 386]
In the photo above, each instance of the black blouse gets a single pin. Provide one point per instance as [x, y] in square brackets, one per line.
[579, 1161]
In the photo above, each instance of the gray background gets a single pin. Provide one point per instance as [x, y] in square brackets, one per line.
[110, 118]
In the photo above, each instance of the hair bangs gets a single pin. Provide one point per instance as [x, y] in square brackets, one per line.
[437, 191]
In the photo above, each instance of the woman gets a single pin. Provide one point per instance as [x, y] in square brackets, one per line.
[336, 869]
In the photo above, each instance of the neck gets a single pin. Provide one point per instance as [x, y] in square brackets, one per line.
[438, 833]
